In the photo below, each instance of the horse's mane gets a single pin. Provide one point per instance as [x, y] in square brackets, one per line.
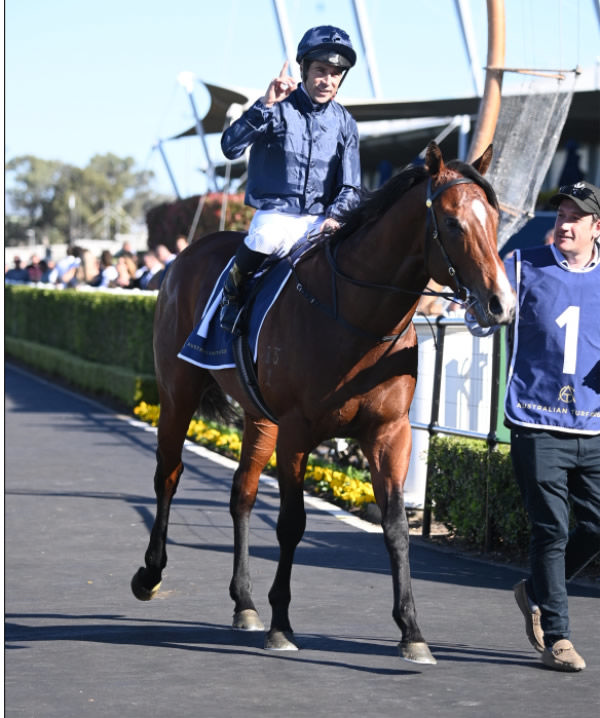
[375, 203]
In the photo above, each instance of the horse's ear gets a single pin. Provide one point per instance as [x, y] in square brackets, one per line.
[433, 159]
[482, 163]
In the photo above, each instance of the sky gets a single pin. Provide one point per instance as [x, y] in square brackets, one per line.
[85, 78]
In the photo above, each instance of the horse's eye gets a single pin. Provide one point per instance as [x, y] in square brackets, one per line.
[453, 224]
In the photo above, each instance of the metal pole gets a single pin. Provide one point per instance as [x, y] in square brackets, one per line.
[435, 414]
[186, 80]
[286, 37]
[466, 26]
[159, 146]
[225, 198]
[463, 137]
[492, 438]
[362, 20]
[202, 136]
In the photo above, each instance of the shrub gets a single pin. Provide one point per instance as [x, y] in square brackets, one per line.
[475, 495]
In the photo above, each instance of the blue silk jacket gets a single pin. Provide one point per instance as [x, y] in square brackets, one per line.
[304, 157]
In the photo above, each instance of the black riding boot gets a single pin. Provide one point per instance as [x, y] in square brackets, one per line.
[246, 262]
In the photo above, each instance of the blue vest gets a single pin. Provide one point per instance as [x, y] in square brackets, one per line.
[554, 375]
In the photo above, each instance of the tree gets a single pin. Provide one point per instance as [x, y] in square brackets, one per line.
[65, 202]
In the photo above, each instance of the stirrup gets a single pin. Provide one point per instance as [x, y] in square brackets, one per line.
[230, 311]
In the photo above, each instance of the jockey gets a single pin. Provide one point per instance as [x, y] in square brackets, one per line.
[304, 166]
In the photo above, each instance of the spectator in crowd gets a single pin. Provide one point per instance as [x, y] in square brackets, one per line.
[64, 273]
[146, 276]
[47, 266]
[125, 251]
[88, 271]
[108, 272]
[181, 243]
[126, 269]
[34, 269]
[18, 273]
[165, 256]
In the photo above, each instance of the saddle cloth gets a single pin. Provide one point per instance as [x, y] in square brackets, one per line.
[211, 347]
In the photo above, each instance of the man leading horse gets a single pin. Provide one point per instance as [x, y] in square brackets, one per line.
[304, 167]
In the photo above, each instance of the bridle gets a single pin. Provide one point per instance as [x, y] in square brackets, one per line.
[431, 226]
[431, 221]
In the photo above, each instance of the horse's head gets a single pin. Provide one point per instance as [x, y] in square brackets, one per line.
[461, 243]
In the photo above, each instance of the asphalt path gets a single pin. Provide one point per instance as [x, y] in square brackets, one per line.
[78, 506]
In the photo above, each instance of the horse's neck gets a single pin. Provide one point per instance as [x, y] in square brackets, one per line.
[390, 252]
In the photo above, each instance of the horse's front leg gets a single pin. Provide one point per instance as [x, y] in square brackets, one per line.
[290, 529]
[389, 455]
[176, 409]
[257, 446]
[146, 581]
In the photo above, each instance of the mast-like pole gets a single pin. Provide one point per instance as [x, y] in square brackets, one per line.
[489, 107]
[362, 20]
[159, 147]
[286, 36]
[464, 17]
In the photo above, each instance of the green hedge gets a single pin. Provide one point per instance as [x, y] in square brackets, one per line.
[98, 341]
[114, 329]
[474, 494]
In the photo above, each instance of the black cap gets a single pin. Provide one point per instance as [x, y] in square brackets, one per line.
[585, 195]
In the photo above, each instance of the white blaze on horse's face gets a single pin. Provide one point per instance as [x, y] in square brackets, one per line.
[504, 291]
[480, 212]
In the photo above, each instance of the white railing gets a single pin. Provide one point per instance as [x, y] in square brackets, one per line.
[458, 390]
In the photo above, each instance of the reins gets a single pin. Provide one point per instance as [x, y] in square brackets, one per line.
[331, 254]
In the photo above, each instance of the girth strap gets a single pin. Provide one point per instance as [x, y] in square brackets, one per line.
[245, 366]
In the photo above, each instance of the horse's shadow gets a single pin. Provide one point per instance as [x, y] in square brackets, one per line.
[317, 649]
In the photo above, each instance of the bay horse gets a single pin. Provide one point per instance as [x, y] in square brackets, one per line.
[337, 357]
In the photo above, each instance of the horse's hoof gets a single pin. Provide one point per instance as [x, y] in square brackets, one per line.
[416, 652]
[280, 641]
[140, 591]
[247, 620]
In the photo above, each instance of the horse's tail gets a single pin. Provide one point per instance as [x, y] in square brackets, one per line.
[215, 404]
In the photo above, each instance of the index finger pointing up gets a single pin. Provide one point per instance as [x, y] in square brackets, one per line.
[283, 72]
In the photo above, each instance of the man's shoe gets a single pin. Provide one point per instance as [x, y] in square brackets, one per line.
[563, 657]
[533, 626]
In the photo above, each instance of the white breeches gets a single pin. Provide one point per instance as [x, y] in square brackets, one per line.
[273, 232]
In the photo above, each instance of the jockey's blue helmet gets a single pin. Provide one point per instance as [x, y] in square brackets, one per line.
[328, 44]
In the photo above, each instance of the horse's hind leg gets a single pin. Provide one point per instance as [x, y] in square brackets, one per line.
[258, 443]
[388, 460]
[177, 407]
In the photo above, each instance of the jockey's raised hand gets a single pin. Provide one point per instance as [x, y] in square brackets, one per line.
[280, 87]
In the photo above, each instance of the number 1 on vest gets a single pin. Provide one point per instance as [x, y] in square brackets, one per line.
[570, 319]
